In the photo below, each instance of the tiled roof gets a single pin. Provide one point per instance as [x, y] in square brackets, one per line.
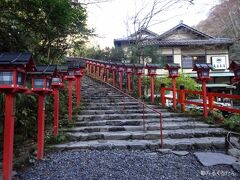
[215, 41]
[182, 25]
[15, 58]
[45, 69]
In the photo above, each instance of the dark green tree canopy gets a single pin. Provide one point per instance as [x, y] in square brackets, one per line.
[46, 28]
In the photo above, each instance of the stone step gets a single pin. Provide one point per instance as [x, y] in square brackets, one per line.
[127, 116]
[112, 107]
[148, 126]
[109, 100]
[112, 103]
[119, 111]
[147, 135]
[175, 144]
[132, 121]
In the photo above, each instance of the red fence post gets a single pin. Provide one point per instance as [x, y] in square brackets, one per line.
[8, 136]
[210, 101]
[163, 99]
[139, 86]
[70, 86]
[78, 90]
[129, 81]
[56, 112]
[107, 74]
[204, 93]
[113, 78]
[152, 89]
[41, 114]
[120, 80]
[174, 93]
[182, 98]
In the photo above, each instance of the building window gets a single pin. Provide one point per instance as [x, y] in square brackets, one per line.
[163, 60]
[6, 78]
[189, 61]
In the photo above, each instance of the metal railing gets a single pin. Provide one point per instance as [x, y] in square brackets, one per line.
[144, 105]
[228, 140]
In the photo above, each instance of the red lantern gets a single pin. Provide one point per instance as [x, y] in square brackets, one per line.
[13, 69]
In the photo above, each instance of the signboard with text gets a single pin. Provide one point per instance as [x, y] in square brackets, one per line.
[219, 62]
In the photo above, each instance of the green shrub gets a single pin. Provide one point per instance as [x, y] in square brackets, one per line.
[233, 122]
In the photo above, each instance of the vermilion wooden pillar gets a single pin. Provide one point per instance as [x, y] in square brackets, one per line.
[120, 80]
[152, 89]
[107, 74]
[139, 86]
[8, 136]
[41, 125]
[70, 86]
[56, 112]
[78, 90]
[113, 78]
[204, 90]
[129, 81]
[174, 92]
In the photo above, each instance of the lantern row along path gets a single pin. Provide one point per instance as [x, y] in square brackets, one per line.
[110, 120]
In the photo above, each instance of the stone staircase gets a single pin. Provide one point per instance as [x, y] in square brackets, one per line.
[111, 120]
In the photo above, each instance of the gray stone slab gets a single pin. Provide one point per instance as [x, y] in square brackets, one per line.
[236, 166]
[211, 159]
[180, 153]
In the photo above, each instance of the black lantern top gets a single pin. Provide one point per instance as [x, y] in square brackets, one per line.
[128, 68]
[42, 78]
[172, 69]
[76, 68]
[203, 70]
[13, 69]
[152, 69]
[140, 69]
[235, 67]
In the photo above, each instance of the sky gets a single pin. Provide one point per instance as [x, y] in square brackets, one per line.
[109, 19]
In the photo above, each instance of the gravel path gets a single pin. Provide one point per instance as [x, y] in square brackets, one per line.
[123, 164]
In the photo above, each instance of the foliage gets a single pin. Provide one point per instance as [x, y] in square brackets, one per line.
[183, 79]
[47, 28]
[107, 54]
[223, 21]
[51, 139]
[215, 116]
[233, 122]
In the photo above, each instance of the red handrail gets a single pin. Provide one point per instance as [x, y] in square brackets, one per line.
[210, 95]
[144, 105]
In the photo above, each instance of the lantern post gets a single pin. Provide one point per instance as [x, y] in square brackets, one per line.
[203, 75]
[57, 84]
[102, 69]
[139, 72]
[70, 78]
[173, 73]
[79, 72]
[152, 72]
[108, 67]
[129, 71]
[113, 69]
[120, 72]
[13, 69]
[41, 85]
